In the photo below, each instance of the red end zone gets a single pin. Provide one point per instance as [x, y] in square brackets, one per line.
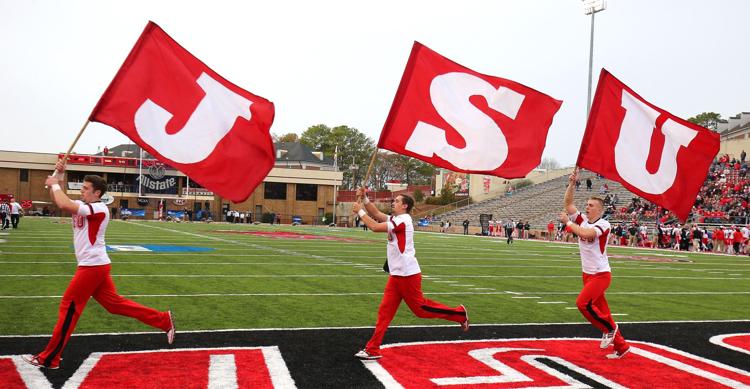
[526, 363]
[291, 235]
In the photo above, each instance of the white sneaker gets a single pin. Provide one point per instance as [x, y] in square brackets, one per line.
[363, 354]
[618, 355]
[34, 360]
[608, 338]
[171, 330]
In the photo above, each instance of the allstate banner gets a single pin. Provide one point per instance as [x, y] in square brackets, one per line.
[154, 181]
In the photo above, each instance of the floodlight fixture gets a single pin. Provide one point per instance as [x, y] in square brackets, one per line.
[593, 6]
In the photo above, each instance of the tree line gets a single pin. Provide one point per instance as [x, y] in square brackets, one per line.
[354, 151]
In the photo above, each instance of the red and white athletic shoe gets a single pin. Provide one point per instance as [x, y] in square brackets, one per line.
[34, 360]
[618, 354]
[609, 337]
[465, 323]
[171, 330]
[368, 355]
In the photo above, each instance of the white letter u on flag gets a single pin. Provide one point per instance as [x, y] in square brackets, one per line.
[634, 145]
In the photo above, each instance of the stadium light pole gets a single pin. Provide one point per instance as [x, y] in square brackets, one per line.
[591, 7]
[335, 169]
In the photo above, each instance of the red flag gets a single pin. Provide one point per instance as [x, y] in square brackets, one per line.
[455, 118]
[189, 117]
[654, 154]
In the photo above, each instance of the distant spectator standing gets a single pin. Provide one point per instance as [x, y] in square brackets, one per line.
[15, 213]
[519, 229]
[4, 211]
[742, 156]
[737, 240]
[697, 238]
[718, 239]
[633, 231]
[589, 184]
[526, 230]
[509, 230]
[551, 230]
[466, 227]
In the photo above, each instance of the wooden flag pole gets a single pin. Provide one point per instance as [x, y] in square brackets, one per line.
[65, 158]
[369, 169]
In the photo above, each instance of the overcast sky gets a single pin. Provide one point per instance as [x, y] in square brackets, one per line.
[340, 62]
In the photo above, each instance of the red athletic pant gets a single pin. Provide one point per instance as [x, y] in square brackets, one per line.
[594, 307]
[94, 281]
[409, 289]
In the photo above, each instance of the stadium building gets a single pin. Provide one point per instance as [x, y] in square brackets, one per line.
[735, 134]
[300, 186]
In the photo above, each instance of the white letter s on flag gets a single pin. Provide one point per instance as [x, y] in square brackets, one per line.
[486, 147]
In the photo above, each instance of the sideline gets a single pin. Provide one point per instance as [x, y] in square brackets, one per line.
[392, 326]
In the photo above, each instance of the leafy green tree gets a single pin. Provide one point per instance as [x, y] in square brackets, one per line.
[418, 196]
[290, 137]
[448, 194]
[709, 120]
[383, 170]
[354, 149]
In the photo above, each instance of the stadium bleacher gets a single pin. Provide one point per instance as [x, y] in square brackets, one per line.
[723, 199]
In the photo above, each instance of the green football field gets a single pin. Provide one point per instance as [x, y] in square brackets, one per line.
[273, 278]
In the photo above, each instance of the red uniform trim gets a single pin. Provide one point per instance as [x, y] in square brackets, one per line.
[400, 232]
[603, 239]
[95, 222]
